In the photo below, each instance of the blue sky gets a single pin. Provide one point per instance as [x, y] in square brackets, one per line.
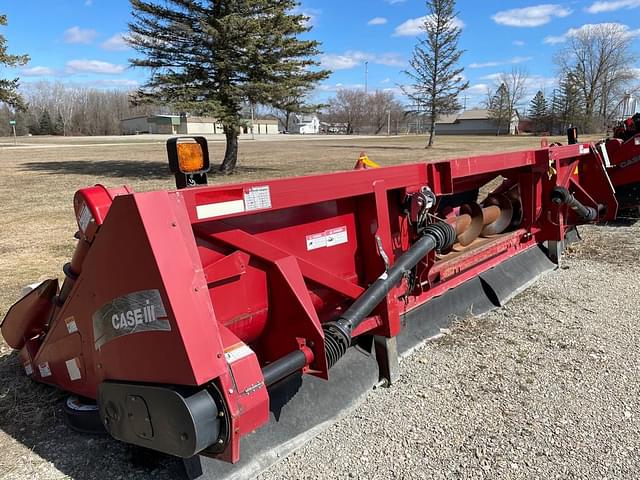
[80, 41]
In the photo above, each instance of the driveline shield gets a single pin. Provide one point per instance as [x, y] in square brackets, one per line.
[141, 311]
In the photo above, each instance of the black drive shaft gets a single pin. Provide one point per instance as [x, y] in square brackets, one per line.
[436, 236]
[562, 196]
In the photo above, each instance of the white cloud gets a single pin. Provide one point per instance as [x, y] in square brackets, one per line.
[533, 16]
[611, 6]
[386, 80]
[328, 87]
[116, 82]
[79, 35]
[415, 26]
[93, 66]
[377, 21]
[586, 28]
[388, 59]
[312, 15]
[518, 43]
[554, 39]
[484, 64]
[37, 72]
[538, 82]
[353, 58]
[88, 3]
[477, 89]
[491, 77]
[511, 61]
[116, 43]
[395, 2]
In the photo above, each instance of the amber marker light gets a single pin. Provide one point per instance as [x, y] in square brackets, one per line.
[188, 160]
[190, 157]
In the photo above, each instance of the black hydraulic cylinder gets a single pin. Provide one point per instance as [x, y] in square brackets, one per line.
[562, 196]
[283, 367]
[436, 236]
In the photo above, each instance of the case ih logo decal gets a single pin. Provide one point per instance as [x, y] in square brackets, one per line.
[141, 311]
[630, 162]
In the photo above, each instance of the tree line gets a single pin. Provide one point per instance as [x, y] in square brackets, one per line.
[222, 58]
[595, 73]
[58, 109]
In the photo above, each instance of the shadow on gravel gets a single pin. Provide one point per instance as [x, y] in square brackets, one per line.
[148, 170]
[626, 218]
[31, 413]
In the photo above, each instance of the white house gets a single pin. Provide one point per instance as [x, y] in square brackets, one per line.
[304, 124]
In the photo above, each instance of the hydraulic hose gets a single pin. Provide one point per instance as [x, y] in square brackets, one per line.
[562, 196]
[436, 236]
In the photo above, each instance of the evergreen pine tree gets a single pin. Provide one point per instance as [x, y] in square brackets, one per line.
[569, 103]
[437, 79]
[22, 121]
[212, 56]
[9, 88]
[499, 108]
[58, 126]
[45, 127]
[539, 114]
[6, 116]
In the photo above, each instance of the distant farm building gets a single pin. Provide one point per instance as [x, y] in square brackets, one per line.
[189, 125]
[474, 122]
[304, 124]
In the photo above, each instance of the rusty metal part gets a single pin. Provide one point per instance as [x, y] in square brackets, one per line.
[498, 212]
[516, 203]
[469, 223]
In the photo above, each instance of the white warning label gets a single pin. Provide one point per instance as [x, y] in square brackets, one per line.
[72, 326]
[73, 369]
[328, 238]
[28, 369]
[257, 198]
[336, 236]
[84, 218]
[317, 240]
[45, 371]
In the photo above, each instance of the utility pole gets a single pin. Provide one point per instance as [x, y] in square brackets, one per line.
[388, 123]
[366, 76]
[464, 108]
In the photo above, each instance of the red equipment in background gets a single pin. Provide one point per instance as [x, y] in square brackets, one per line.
[193, 315]
[621, 155]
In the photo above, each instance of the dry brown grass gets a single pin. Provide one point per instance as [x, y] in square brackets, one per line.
[37, 184]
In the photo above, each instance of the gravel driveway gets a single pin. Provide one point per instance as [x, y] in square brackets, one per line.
[544, 388]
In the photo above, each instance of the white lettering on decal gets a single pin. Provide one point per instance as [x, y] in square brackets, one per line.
[131, 318]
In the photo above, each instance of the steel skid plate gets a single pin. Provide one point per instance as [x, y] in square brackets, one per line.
[303, 407]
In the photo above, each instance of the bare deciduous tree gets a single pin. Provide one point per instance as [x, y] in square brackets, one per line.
[348, 107]
[360, 112]
[600, 57]
[77, 109]
[380, 107]
[515, 83]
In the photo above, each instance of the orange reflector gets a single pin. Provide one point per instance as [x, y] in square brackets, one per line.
[190, 157]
